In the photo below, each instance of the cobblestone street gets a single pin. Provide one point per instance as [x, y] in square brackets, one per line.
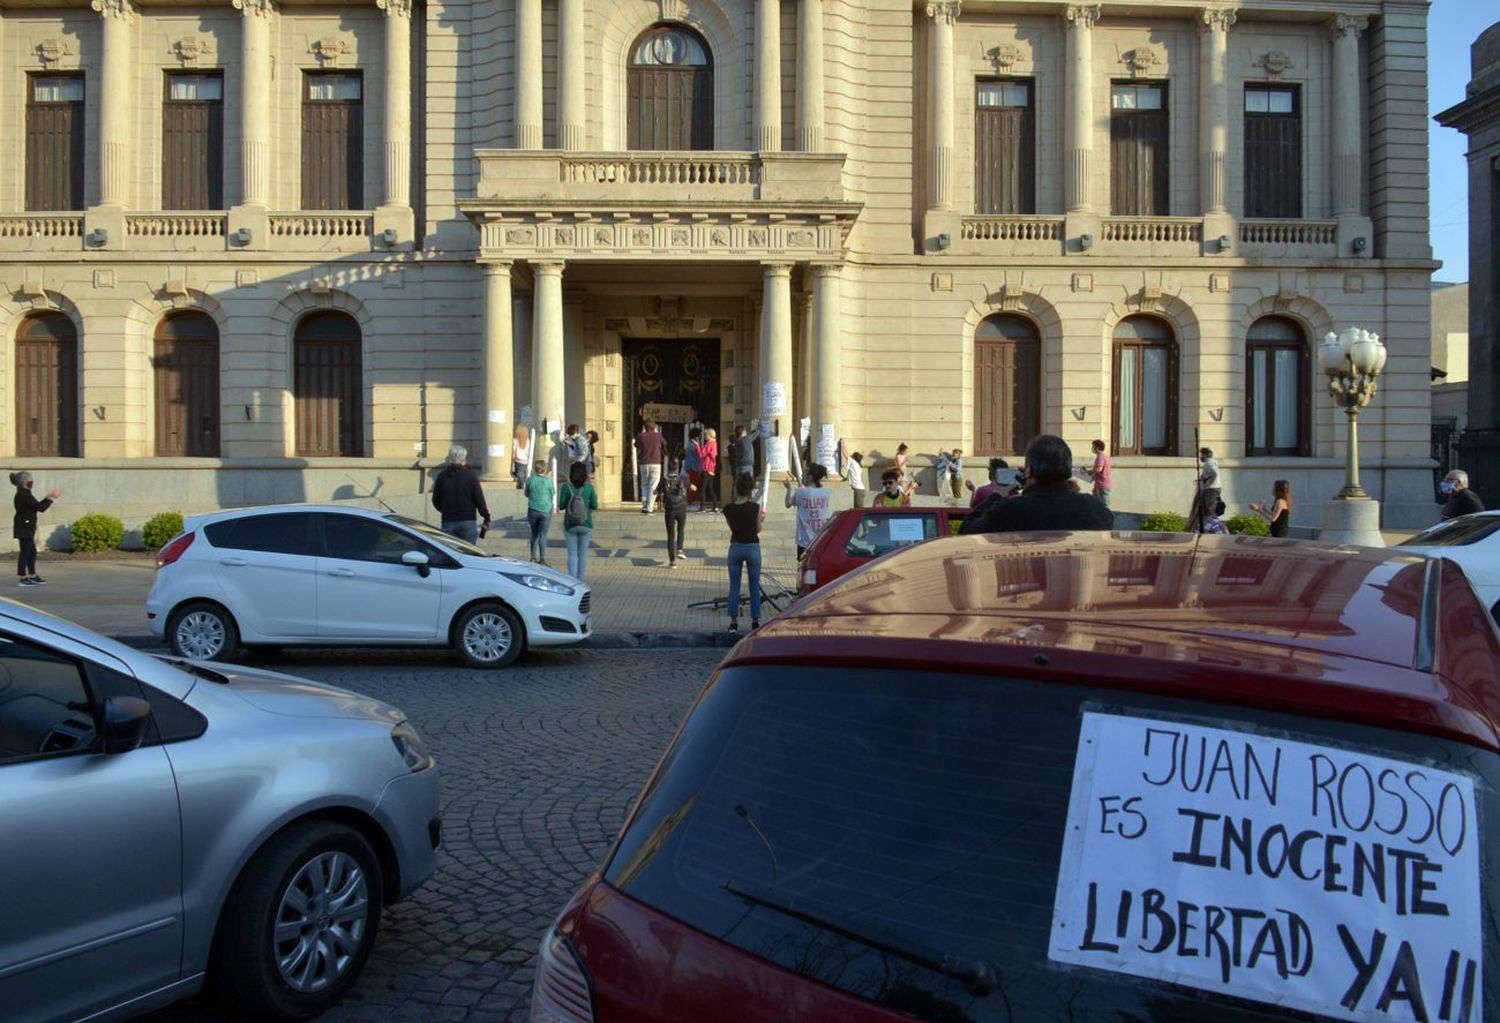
[540, 764]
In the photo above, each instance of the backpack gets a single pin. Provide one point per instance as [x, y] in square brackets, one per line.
[674, 493]
[577, 513]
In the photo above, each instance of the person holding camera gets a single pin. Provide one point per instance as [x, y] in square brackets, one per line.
[1048, 500]
[1004, 482]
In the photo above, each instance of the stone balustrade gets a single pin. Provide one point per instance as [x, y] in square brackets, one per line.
[1270, 238]
[530, 176]
[41, 231]
[1153, 229]
[1010, 234]
[334, 226]
[175, 225]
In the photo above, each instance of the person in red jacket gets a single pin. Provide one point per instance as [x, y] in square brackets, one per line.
[708, 468]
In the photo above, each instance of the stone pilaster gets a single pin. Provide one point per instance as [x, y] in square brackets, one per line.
[767, 136]
[776, 346]
[395, 212]
[528, 123]
[1078, 124]
[499, 381]
[571, 46]
[255, 101]
[941, 15]
[116, 101]
[810, 115]
[547, 361]
[1348, 138]
[1213, 109]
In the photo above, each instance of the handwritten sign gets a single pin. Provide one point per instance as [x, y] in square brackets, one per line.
[906, 530]
[828, 450]
[773, 398]
[664, 413]
[1305, 876]
[776, 456]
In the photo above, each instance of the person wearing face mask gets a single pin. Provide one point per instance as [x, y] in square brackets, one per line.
[1049, 501]
[1461, 500]
[24, 526]
[892, 493]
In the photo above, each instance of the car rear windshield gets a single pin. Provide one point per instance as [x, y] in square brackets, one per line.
[875, 535]
[1456, 533]
[906, 837]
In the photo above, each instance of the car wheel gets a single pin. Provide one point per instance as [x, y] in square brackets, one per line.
[203, 632]
[488, 636]
[300, 923]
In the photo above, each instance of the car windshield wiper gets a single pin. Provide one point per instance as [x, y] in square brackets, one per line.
[195, 669]
[977, 977]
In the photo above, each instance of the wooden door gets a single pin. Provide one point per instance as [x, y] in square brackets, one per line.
[47, 387]
[328, 382]
[670, 108]
[1004, 149]
[1139, 138]
[678, 374]
[186, 370]
[333, 142]
[54, 142]
[192, 137]
[1007, 395]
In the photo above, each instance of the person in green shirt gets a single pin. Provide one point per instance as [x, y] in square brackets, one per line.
[578, 516]
[541, 498]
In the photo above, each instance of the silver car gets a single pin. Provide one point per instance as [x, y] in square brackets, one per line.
[165, 825]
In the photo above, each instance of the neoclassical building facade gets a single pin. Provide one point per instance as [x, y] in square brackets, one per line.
[271, 250]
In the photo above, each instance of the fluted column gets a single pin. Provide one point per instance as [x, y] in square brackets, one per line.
[255, 101]
[499, 378]
[942, 14]
[827, 358]
[116, 101]
[1213, 109]
[570, 57]
[528, 124]
[767, 75]
[548, 360]
[397, 120]
[810, 116]
[1078, 127]
[1348, 165]
[776, 345]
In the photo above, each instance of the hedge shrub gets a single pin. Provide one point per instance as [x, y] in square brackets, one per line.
[1163, 522]
[97, 532]
[1250, 525]
[160, 528]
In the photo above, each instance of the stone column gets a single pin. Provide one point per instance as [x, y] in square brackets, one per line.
[1213, 109]
[116, 101]
[397, 121]
[499, 380]
[827, 352]
[548, 368]
[810, 118]
[1078, 127]
[255, 101]
[767, 75]
[942, 14]
[528, 110]
[571, 43]
[1347, 163]
[776, 346]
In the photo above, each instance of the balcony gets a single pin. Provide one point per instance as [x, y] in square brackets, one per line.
[1289, 238]
[210, 232]
[41, 232]
[1020, 235]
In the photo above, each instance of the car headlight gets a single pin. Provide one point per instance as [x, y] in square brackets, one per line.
[540, 582]
[409, 745]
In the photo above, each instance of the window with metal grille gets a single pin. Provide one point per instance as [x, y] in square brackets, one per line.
[1007, 385]
[1004, 147]
[670, 90]
[333, 141]
[1145, 392]
[328, 384]
[1277, 397]
[1139, 143]
[186, 370]
[1273, 151]
[47, 386]
[54, 142]
[192, 142]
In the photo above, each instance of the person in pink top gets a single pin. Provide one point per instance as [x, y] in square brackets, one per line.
[1002, 483]
[708, 467]
[1102, 473]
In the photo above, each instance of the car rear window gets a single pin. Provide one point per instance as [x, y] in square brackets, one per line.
[287, 533]
[1457, 533]
[875, 535]
[901, 836]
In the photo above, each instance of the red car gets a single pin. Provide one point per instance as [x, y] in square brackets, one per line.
[858, 536]
[1088, 776]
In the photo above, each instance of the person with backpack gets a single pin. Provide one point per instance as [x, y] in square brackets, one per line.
[457, 496]
[24, 526]
[578, 501]
[541, 503]
[673, 491]
[745, 517]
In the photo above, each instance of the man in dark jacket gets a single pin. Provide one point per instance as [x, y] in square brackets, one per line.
[456, 495]
[1049, 500]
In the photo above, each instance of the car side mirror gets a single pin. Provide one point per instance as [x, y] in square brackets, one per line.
[419, 561]
[126, 719]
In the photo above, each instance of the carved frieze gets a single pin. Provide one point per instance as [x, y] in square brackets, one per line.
[1273, 62]
[192, 51]
[1143, 60]
[330, 51]
[52, 50]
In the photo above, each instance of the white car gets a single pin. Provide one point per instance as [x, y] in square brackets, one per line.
[1473, 541]
[305, 575]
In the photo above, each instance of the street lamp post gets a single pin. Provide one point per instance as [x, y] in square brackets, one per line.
[1352, 361]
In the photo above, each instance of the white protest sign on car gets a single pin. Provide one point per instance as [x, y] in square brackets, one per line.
[1295, 874]
[906, 530]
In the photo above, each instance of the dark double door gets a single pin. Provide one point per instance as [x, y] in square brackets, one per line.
[670, 373]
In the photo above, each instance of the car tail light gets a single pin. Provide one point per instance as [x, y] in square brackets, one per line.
[562, 993]
[810, 577]
[172, 551]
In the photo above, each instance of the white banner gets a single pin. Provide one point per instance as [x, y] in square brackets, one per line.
[497, 415]
[1303, 876]
[827, 454]
[773, 399]
[776, 456]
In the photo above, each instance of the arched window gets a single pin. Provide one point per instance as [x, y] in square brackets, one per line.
[670, 84]
[1007, 385]
[47, 386]
[1276, 391]
[185, 364]
[1145, 401]
[328, 384]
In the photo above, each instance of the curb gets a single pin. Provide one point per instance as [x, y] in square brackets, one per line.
[598, 641]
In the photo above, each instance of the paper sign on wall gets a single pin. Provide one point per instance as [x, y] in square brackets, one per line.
[525, 414]
[776, 456]
[497, 450]
[1304, 876]
[828, 450]
[804, 430]
[773, 398]
[497, 415]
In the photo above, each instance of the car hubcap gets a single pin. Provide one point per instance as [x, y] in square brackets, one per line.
[320, 923]
[487, 637]
[200, 635]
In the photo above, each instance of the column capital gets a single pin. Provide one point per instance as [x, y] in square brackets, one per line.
[777, 269]
[826, 269]
[547, 267]
[496, 267]
[395, 8]
[945, 11]
[1218, 19]
[260, 8]
[122, 9]
[1347, 25]
[1081, 15]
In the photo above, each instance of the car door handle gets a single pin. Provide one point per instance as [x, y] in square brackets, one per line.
[234, 562]
[345, 573]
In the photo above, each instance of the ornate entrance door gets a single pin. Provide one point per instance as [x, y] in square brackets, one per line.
[675, 381]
